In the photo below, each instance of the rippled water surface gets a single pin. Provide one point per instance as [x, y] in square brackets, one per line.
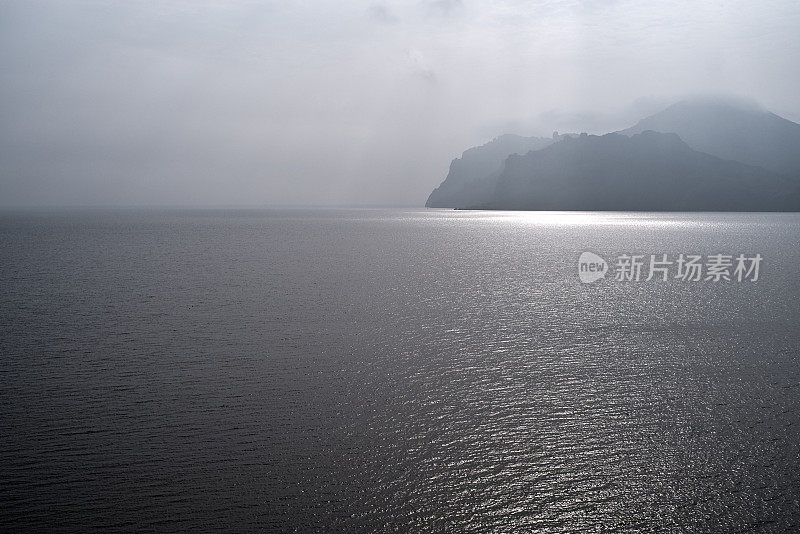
[393, 370]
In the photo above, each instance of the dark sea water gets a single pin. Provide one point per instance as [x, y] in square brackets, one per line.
[394, 370]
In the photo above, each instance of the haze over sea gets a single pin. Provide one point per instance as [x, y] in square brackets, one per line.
[391, 369]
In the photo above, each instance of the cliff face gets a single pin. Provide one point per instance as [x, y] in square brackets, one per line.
[473, 176]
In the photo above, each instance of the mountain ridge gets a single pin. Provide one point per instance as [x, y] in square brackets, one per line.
[736, 130]
[651, 171]
[725, 156]
[472, 175]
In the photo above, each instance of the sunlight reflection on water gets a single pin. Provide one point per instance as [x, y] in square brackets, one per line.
[421, 369]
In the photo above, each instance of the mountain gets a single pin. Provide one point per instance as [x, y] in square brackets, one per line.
[731, 129]
[649, 171]
[698, 154]
[472, 176]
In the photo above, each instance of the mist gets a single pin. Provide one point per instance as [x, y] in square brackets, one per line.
[237, 103]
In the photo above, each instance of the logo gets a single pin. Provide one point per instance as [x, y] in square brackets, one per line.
[591, 267]
[683, 267]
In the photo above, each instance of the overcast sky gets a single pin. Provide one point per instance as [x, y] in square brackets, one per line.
[175, 102]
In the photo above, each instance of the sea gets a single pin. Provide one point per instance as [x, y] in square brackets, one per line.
[398, 370]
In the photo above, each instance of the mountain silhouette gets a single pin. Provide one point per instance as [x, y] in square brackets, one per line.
[696, 155]
[650, 171]
[731, 129]
[472, 177]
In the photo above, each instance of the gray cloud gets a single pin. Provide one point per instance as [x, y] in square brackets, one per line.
[444, 7]
[239, 102]
[420, 66]
[382, 13]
